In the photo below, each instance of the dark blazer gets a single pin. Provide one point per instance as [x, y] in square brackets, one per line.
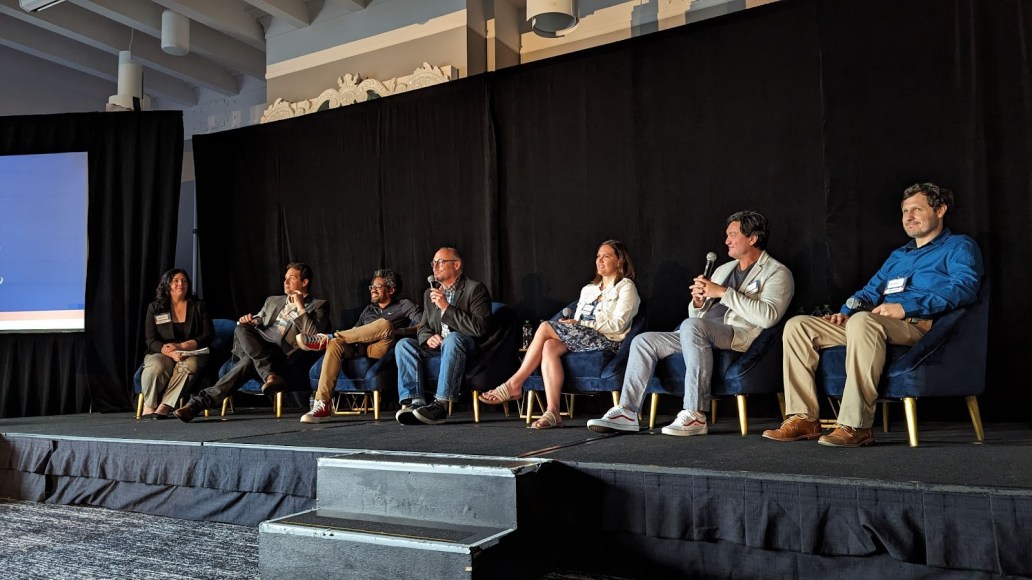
[470, 314]
[315, 319]
[198, 327]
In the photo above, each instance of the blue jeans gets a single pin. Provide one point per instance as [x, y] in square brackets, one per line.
[455, 350]
[695, 340]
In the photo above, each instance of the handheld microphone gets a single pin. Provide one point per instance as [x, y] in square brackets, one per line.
[856, 304]
[567, 313]
[433, 282]
[711, 263]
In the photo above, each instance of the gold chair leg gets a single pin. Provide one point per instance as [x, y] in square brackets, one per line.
[616, 398]
[451, 406]
[910, 404]
[376, 405]
[976, 417]
[652, 411]
[713, 411]
[885, 416]
[569, 406]
[279, 404]
[781, 405]
[139, 406]
[476, 407]
[530, 406]
[743, 419]
[205, 413]
[225, 403]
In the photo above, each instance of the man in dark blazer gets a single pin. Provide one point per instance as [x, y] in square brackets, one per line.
[456, 326]
[265, 344]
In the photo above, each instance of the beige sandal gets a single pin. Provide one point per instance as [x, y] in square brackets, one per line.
[548, 420]
[500, 394]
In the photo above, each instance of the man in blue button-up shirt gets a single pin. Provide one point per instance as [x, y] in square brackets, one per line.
[937, 271]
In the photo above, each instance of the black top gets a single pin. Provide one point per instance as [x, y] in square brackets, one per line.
[400, 313]
[197, 326]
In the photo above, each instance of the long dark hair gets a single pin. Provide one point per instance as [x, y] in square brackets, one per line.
[162, 296]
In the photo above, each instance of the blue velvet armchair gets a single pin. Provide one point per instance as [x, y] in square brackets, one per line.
[950, 361]
[757, 371]
[297, 379]
[588, 373]
[219, 348]
[490, 368]
[360, 375]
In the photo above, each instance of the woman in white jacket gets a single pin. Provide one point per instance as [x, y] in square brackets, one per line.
[603, 318]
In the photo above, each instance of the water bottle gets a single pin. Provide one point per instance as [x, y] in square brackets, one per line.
[528, 334]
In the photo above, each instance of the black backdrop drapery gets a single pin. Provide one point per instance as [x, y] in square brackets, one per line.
[817, 113]
[135, 167]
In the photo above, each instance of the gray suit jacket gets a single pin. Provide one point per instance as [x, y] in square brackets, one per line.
[470, 314]
[315, 319]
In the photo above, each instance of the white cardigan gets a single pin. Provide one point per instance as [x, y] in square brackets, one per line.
[614, 313]
[760, 302]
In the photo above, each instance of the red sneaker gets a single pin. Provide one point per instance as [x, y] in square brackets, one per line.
[320, 412]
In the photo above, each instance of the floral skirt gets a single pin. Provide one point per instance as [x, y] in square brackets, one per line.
[577, 338]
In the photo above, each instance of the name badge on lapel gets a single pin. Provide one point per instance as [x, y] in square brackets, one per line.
[162, 318]
[753, 287]
[895, 285]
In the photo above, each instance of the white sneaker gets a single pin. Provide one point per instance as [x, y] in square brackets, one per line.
[615, 419]
[319, 413]
[686, 424]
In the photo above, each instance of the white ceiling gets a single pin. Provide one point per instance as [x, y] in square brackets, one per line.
[227, 39]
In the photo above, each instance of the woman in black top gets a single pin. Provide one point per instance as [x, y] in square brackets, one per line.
[176, 321]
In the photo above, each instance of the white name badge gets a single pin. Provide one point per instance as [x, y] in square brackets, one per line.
[895, 285]
[162, 318]
[753, 287]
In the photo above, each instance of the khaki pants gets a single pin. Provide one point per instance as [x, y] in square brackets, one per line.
[163, 379]
[373, 339]
[865, 337]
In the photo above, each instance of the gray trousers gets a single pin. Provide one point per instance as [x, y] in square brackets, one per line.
[695, 340]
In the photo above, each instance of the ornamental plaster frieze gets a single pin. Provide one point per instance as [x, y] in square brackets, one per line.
[353, 89]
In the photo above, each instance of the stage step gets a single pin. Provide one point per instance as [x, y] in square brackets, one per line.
[399, 515]
[334, 544]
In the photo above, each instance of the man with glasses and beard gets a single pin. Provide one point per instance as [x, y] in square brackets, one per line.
[372, 336]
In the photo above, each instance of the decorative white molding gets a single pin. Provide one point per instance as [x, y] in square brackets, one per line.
[353, 89]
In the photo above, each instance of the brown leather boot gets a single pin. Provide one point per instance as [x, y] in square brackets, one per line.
[795, 428]
[846, 436]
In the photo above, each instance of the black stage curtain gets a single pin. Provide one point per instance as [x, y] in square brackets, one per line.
[135, 167]
[818, 113]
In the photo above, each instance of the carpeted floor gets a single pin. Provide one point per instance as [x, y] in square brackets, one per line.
[60, 542]
[76, 542]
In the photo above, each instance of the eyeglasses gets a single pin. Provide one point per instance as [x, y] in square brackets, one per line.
[376, 286]
[436, 263]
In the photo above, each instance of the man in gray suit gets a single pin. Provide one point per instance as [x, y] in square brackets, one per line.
[267, 342]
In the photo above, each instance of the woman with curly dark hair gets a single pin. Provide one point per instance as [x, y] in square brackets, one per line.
[176, 321]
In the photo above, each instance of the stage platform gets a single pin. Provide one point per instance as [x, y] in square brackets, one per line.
[718, 504]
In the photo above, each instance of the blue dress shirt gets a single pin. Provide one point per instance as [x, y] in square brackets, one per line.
[940, 276]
